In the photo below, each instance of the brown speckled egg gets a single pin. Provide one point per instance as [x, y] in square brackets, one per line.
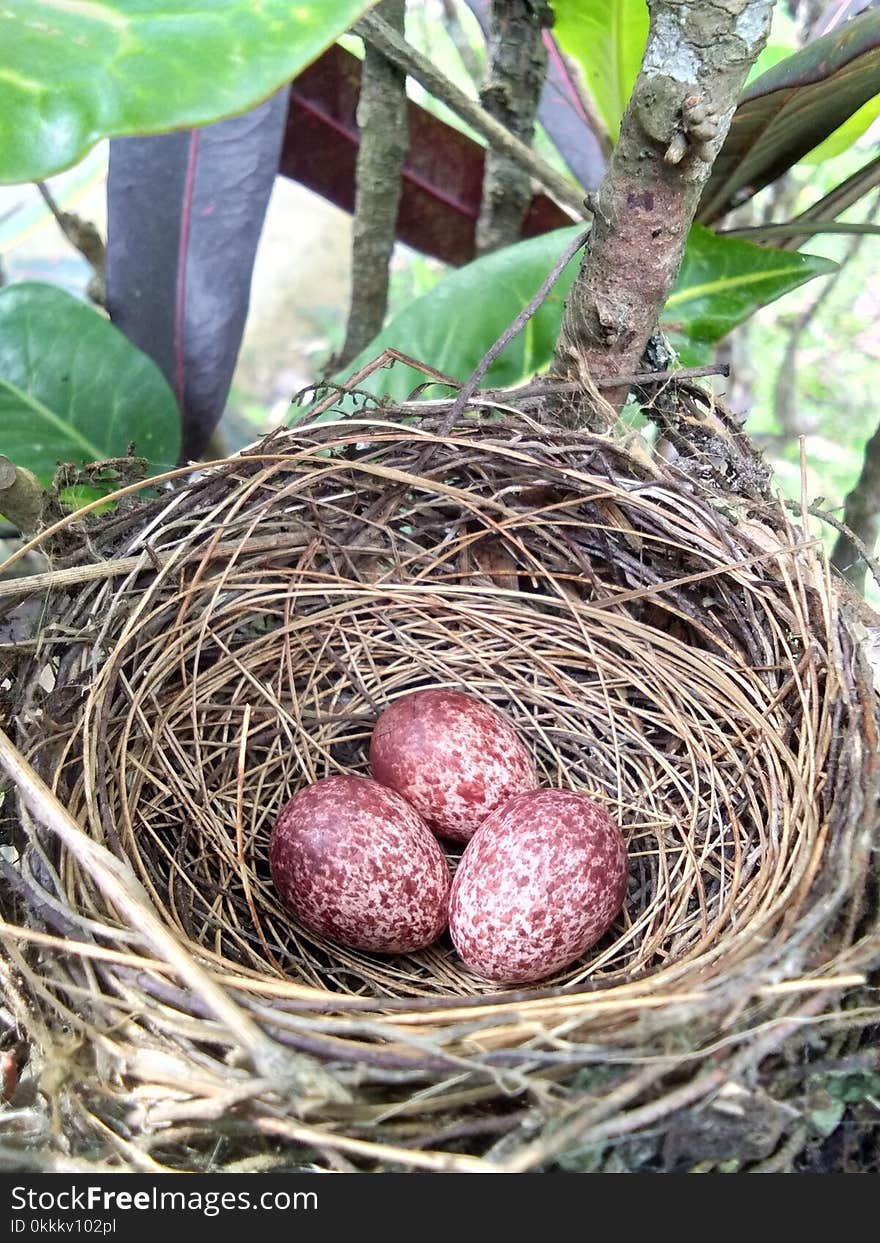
[451, 757]
[540, 883]
[354, 862]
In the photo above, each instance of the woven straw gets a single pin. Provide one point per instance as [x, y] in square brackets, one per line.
[685, 662]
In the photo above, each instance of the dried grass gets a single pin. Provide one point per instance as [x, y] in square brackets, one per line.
[686, 663]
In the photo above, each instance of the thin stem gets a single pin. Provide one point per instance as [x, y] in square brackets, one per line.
[516, 327]
[792, 228]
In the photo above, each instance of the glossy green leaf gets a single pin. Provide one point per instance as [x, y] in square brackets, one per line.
[74, 389]
[722, 281]
[845, 135]
[75, 71]
[453, 324]
[792, 108]
[607, 40]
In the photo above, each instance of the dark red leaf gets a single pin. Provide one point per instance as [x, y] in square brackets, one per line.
[442, 176]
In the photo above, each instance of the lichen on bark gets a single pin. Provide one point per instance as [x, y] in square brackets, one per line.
[695, 63]
[383, 122]
[22, 500]
[517, 66]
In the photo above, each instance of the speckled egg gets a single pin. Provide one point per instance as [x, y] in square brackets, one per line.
[540, 883]
[354, 862]
[453, 758]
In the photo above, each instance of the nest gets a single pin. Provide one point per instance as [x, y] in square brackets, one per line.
[685, 662]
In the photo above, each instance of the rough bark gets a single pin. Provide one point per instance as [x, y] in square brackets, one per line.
[517, 67]
[377, 33]
[575, 128]
[22, 500]
[696, 61]
[861, 515]
[382, 120]
[85, 238]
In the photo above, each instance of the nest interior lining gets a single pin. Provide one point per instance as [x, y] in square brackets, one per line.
[651, 652]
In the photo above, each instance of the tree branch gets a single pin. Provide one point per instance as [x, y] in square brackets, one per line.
[513, 330]
[22, 500]
[765, 232]
[373, 30]
[383, 123]
[861, 514]
[695, 63]
[85, 238]
[566, 110]
[516, 70]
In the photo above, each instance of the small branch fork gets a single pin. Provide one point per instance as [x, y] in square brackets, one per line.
[469, 390]
[515, 328]
[515, 75]
[84, 237]
[533, 389]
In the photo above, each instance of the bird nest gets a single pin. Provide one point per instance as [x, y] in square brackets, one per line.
[685, 662]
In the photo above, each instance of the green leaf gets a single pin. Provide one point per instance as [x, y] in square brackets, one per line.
[607, 40]
[74, 389]
[845, 135]
[722, 281]
[80, 495]
[827, 1116]
[792, 108]
[75, 71]
[453, 325]
[852, 1086]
